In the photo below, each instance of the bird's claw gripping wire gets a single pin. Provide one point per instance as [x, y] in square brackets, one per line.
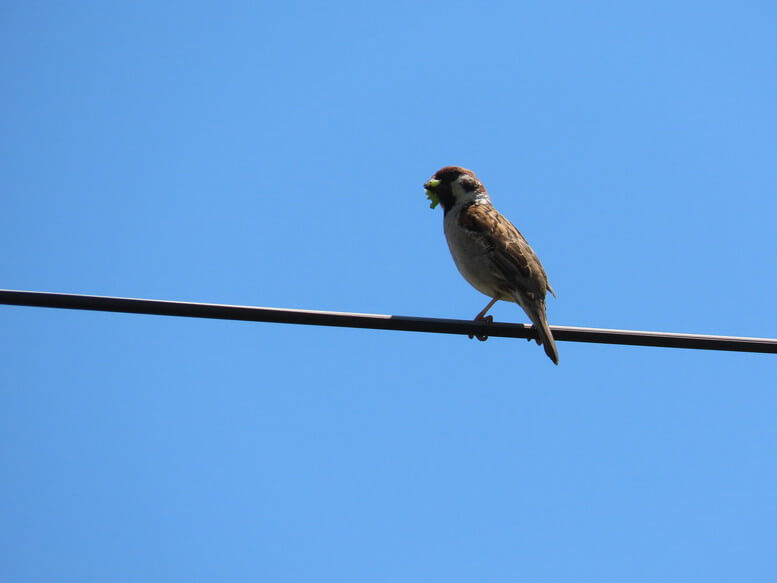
[487, 320]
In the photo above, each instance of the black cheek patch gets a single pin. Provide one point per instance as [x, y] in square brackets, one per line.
[469, 184]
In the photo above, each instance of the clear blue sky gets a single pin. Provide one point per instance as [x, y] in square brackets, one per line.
[273, 154]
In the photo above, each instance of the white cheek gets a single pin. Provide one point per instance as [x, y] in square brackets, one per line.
[458, 192]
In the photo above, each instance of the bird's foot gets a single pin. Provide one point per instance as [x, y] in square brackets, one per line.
[481, 337]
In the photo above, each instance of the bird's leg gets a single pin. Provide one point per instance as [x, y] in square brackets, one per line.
[481, 317]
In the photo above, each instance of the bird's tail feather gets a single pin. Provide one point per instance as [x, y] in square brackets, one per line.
[548, 343]
[544, 335]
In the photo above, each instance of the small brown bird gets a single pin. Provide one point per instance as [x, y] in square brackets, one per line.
[489, 251]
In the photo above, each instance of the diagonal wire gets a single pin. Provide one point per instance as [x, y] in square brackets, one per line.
[381, 321]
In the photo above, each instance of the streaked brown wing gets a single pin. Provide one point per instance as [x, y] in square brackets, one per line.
[510, 254]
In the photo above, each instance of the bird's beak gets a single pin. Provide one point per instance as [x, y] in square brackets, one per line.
[429, 187]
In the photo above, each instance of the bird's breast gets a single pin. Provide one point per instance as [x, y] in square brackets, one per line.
[471, 257]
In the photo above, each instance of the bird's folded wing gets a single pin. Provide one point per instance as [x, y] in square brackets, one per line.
[512, 257]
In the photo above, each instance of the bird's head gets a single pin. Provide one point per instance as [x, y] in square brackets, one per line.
[453, 185]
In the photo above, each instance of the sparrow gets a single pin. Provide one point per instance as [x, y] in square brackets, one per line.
[489, 251]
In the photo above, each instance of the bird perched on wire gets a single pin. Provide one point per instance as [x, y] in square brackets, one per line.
[489, 251]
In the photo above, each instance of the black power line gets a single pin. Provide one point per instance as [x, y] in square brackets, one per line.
[381, 322]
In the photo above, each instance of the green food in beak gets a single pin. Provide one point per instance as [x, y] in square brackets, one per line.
[430, 194]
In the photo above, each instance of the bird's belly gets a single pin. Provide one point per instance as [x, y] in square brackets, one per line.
[479, 277]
